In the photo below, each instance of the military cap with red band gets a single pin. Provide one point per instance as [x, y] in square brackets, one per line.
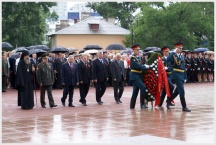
[178, 44]
[165, 48]
[136, 46]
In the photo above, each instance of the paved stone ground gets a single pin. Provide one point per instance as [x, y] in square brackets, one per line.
[111, 122]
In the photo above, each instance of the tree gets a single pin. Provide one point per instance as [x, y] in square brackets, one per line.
[189, 22]
[23, 23]
[121, 11]
[53, 17]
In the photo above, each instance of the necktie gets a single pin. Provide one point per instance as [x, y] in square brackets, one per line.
[71, 66]
[85, 64]
[101, 61]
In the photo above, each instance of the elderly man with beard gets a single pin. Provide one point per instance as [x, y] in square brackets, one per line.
[25, 82]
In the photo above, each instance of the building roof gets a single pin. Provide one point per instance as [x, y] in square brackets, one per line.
[105, 28]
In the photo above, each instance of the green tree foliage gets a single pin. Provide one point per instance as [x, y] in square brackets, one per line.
[53, 17]
[189, 22]
[121, 11]
[23, 23]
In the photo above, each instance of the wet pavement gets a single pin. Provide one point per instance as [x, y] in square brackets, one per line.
[111, 122]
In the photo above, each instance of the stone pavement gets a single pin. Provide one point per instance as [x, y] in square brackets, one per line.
[111, 122]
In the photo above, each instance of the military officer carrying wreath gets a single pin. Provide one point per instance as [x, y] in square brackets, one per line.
[135, 77]
[45, 78]
[178, 76]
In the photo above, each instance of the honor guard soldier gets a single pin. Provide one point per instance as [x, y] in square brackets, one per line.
[194, 67]
[45, 78]
[188, 62]
[165, 50]
[178, 76]
[135, 77]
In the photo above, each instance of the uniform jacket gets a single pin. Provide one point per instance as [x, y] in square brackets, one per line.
[45, 74]
[99, 71]
[175, 74]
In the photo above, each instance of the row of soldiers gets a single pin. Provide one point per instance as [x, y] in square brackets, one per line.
[199, 67]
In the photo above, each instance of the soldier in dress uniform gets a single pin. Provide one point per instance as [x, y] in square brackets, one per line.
[45, 78]
[205, 67]
[188, 61]
[178, 76]
[199, 67]
[135, 77]
[210, 68]
[194, 67]
[165, 50]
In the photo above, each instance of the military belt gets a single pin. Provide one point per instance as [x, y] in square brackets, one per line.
[168, 73]
[178, 70]
[136, 71]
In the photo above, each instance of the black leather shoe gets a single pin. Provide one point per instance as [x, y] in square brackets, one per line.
[120, 101]
[117, 102]
[171, 104]
[144, 106]
[168, 105]
[53, 106]
[71, 105]
[186, 109]
[84, 104]
[63, 103]
[99, 103]
[43, 106]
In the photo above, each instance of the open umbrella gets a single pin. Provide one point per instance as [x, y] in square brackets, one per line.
[92, 51]
[20, 49]
[127, 50]
[72, 50]
[155, 49]
[82, 51]
[59, 49]
[39, 52]
[15, 55]
[6, 45]
[115, 47]
[43, 47]
[201, 49]
[93, 46]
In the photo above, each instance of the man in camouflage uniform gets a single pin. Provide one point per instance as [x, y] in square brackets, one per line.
[45, 78]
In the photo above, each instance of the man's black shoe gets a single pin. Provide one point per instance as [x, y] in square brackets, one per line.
[53, 106]
[99, 103]
[84, 104]
[63, 103]
[120, 101]
[71, 105]
[144, 106]
[186, 109]
[43, 106]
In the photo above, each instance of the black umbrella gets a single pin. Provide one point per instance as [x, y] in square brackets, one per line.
[43, 47]
[115, 47]
[88, 47]
[59, 49]
[15, 55]
[20, 49]
[82, 51]
[6, 45]
[127, 50]
[30, 47]
[155, 49]
[201, 49]
[72, 50]
[39, 52]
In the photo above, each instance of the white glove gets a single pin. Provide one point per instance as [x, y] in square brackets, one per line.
[175, 50]
[185, 81]
[166, 68]
[147, 66]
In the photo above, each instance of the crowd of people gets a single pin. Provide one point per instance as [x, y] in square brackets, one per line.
[64, 71]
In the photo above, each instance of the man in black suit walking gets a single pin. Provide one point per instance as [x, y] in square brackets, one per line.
[99, 76]
[69, 78]
[34, 63]
[118, 77]
[84, 78]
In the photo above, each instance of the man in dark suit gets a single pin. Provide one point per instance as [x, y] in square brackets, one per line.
[58, 66]
[84, 70]
[107, 62]
[34, 63]
[178, 76]
[118, 76]
[99, 76]
[69, 78]
[12, 62]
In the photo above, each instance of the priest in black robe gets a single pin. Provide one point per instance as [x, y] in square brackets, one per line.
[25, 82]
